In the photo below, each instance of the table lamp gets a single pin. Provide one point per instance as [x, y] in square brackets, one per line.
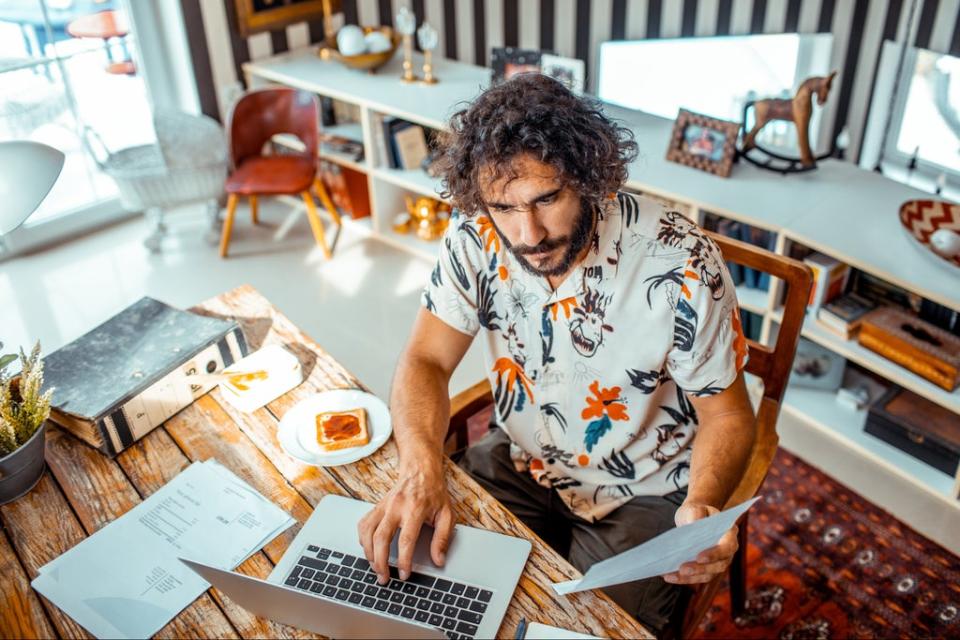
[28, 170]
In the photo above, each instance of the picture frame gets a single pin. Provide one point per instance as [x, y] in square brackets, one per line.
[255, 16]
[570, 71]
[704, 143]
[510, 61]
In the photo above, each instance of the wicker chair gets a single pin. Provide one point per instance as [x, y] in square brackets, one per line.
[771, 366]
[188, 163]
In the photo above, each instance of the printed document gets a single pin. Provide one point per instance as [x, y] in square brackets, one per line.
[657, 556]
[125, 581]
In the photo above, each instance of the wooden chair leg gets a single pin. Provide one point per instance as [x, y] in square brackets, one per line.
[315, 224]
[327, 201]
[738, 573]
[228, 224]
[253, 210]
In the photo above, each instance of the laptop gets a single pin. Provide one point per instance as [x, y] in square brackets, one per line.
[324, 584]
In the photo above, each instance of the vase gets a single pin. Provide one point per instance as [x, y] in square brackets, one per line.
[22, 469]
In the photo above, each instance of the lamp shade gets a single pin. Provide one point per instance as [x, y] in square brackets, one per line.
[28, 171]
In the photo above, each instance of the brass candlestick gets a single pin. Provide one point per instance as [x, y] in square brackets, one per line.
[406, 25]
[408, 74]
[429, 39]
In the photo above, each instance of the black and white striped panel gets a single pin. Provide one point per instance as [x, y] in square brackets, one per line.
[575, 28]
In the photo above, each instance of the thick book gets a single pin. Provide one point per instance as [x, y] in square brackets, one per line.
[116, 383]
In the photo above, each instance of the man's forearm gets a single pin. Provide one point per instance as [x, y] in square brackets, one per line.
[721, 451]
[420, 409]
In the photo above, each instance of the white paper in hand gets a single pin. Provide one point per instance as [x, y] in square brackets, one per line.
[657, 556]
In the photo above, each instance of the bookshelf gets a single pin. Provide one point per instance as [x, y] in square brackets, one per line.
[840, 210]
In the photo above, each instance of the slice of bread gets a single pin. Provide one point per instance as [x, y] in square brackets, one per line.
[342, 429]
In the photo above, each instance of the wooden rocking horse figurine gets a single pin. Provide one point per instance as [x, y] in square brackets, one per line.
[796, 110]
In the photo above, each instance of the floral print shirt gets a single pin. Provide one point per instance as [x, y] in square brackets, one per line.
[591, 381]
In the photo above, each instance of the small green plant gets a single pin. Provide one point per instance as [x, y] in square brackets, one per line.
[23, 407]
[5, 359]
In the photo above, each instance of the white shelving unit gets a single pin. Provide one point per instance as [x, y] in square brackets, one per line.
[839, 210]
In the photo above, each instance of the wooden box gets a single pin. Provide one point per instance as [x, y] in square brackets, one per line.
[921, 347]
[918, 427]
[347, 188]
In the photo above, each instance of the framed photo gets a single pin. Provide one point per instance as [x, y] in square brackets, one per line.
[569, 71]
[254, 16]
[510, 61]
[703, 142]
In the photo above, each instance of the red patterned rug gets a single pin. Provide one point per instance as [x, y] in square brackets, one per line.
[825, 563]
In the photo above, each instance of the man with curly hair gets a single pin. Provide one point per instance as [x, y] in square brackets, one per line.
[612, 341]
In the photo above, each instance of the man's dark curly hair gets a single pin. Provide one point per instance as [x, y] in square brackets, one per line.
[535, 114]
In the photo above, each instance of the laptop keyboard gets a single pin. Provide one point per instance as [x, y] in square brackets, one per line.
[454, 607]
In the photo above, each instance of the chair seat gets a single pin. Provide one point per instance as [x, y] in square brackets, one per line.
[272, 175]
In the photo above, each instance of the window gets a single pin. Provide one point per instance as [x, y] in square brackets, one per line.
[926, 119]
[714, 76]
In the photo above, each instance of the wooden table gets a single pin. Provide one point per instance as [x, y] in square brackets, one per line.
[83, 490]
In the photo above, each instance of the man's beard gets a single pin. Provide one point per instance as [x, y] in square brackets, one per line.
[575, 243]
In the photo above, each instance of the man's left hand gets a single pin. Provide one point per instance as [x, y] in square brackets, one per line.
[710, 562]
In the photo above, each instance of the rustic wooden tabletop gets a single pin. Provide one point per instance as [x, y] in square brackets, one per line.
[83, 490]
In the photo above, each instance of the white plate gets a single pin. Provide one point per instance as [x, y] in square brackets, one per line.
[298, 427]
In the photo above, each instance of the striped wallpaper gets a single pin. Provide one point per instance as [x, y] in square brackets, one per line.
[575, 28]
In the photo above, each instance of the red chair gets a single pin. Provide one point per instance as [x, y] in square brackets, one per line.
[256, 118]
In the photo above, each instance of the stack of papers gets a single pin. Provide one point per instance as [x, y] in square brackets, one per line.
[125, 581]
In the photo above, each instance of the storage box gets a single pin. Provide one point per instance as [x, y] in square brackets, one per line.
[913, 343]
[918, 427]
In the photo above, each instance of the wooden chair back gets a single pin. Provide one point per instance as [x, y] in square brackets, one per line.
[259, 115]
[772, 365]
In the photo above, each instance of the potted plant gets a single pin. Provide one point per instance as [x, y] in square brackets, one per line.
[23, 413]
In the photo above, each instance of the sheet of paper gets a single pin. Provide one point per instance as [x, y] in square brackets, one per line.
[657, 556]
[282, 371]
[125, 580]
[537, 631]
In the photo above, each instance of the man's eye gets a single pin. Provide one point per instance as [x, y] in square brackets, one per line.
[547, 199]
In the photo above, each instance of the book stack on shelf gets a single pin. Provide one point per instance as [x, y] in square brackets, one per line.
[843, 315]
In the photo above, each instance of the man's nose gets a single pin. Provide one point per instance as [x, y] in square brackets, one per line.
[532, 232]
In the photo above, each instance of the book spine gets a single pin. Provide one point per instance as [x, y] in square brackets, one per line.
[380, 142]
[150, 408]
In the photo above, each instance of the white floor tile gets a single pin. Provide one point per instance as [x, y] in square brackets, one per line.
[359, 306]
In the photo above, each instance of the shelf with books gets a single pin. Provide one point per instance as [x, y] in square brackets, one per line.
[850, 349]
[820, 410]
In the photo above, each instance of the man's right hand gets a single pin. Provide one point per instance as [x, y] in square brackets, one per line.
[420, 496]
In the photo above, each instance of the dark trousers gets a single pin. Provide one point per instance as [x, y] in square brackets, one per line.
[658, 605]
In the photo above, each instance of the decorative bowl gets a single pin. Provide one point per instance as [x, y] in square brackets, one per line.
[363, 61]
[922, 218]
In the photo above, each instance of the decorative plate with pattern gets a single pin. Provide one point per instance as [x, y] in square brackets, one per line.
[921, 218]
